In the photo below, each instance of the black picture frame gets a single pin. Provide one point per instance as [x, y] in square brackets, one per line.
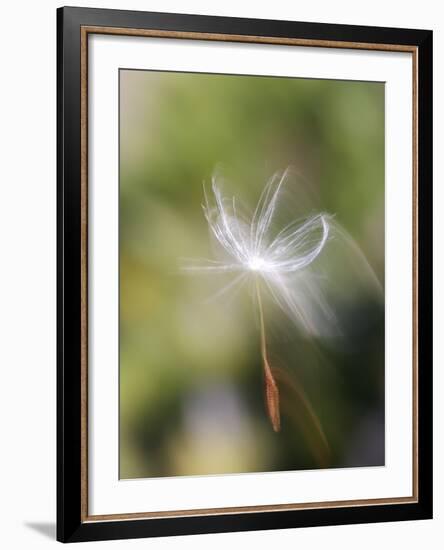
[72, 523]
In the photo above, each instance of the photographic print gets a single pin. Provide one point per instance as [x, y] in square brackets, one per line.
[244, 274]
[251, 282]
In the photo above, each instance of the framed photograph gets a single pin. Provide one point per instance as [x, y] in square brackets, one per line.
[244, 274]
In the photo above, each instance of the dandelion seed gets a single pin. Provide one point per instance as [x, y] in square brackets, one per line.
[271, 259]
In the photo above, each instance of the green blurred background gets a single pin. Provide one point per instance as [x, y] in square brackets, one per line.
[191, 386]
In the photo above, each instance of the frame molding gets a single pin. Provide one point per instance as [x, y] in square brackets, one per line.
[73, 27]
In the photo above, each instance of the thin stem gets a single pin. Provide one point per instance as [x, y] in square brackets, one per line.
[262, 323]
[271, 389]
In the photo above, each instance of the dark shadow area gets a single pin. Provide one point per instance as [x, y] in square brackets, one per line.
[47, 529]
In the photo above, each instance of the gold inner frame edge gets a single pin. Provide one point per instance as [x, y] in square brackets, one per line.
[84, 33]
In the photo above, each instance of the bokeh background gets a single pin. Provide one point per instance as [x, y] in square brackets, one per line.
[191, 383]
